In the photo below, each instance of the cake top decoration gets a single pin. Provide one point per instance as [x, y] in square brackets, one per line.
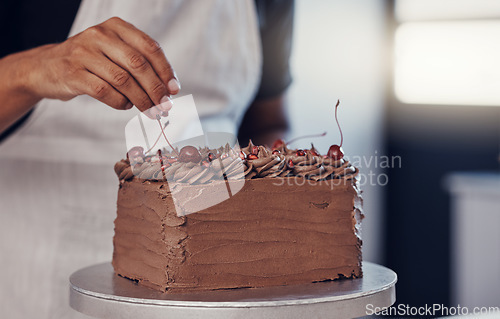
[202, 165]
[199, 165]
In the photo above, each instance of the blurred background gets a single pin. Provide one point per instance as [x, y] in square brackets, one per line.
[419, 84]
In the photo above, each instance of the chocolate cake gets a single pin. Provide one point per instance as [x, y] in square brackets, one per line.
[295, 220]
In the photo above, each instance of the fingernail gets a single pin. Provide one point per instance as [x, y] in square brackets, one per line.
[173, 85]
[129, 106]
[166, 104]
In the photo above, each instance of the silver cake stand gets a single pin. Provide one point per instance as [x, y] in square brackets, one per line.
[96, 291]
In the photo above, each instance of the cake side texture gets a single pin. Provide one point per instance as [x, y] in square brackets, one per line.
[275, 231]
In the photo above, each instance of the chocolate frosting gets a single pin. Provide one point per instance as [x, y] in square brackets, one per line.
[281, 162]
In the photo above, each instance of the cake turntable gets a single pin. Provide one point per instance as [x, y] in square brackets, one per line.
[96, 291]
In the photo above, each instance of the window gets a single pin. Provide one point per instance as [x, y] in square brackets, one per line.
[447, 52]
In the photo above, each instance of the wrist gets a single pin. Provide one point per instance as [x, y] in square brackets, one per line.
[23, 73]
[16, 92]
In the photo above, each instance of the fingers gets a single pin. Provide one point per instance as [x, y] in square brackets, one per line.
[120, 64]
[138, 66]
[125, 84]
[120, 79]
[150, 49]
[101, 90]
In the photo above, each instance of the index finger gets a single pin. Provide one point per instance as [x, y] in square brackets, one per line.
[151, 50]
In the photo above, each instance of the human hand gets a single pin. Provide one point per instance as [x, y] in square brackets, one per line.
[113, 62]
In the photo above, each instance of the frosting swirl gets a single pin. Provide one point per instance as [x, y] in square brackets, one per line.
[227, 162]
[285, 162]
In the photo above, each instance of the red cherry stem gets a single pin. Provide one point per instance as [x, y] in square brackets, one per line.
[337, 120]
[165, 136]
[157, 140]
[305, 136]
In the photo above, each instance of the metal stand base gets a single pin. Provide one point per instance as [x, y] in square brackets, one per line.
[98, 292]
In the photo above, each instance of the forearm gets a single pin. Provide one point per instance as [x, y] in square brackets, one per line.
[113, 62]
[265, 121]
[268, 138]
[16, 94]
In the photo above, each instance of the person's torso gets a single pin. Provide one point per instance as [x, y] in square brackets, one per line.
[58, 189]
